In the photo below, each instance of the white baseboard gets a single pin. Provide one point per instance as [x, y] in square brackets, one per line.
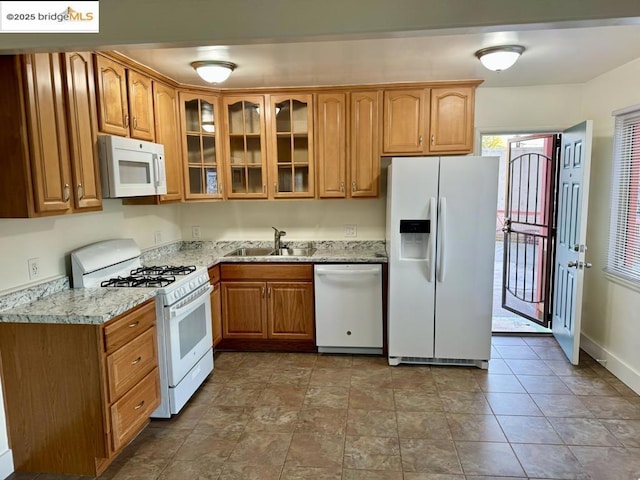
[619, 368]
[6, 464]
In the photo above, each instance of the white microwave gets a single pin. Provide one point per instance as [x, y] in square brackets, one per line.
[131, 168]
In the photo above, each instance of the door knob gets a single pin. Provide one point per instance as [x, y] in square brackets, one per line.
[572, 264]
[588, 265]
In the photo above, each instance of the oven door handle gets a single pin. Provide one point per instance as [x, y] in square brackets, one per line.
[192, 305]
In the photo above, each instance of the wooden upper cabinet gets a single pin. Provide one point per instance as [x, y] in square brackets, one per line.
[125, 100]
[364, 158]
[83, 130]
[290, 127]
[245, 146]
[202, 157]
[331, 142]
[167, 132]
[48, 135]
[140, 106]
[113, 110]
[452, 110]
[347, 127]
[49, 148]
[404, 121]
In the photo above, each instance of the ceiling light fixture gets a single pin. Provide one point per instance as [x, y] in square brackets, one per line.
[214, 71]
[499, 58]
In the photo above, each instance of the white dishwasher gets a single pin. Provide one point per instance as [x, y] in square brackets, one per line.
[348, 308]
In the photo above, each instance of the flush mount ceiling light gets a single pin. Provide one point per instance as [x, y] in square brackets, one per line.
[214, 71]
[499, 58]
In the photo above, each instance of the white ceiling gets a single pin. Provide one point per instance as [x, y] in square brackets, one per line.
[554, 56]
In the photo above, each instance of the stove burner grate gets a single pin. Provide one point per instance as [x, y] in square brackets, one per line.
[139, 281]
[164, 270]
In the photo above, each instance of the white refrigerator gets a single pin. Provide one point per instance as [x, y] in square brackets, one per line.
[441, 234]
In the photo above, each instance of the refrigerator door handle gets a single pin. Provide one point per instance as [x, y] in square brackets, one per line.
[431, 247]
[442, 241]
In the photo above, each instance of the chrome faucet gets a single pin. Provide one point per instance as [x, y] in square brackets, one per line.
[276, 238]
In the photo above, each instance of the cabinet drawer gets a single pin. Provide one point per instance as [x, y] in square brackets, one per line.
[266, 271]
[127, 365]
[131, 412]
[123, 329]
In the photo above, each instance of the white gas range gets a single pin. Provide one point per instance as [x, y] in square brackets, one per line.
[183, 312]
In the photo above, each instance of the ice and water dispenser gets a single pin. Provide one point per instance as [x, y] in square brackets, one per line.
[414, 239]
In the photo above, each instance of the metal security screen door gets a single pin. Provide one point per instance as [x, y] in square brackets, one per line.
[528, 234]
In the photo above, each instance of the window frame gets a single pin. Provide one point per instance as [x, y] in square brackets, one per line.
[623, 251]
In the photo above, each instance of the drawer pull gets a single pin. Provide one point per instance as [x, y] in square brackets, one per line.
[134, 324]
[139, 406]
[137, 360]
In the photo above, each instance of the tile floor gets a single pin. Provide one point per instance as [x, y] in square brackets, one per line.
[304, 416]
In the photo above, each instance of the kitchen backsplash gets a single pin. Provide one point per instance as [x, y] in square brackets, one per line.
[33, 293]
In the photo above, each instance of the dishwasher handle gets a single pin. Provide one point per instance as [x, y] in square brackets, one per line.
[347, 273]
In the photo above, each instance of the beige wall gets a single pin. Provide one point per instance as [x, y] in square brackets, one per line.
[611, 314]
[51, 239]
[302, 220]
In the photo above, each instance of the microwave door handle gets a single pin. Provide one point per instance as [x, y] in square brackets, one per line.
[156, 171]
[192, 305]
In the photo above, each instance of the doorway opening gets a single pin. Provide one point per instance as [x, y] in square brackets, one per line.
[519, 288]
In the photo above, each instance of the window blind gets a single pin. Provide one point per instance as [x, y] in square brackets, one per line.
[623, 257]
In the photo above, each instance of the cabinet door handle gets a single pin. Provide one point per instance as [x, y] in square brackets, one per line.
[269, 292]
[137, 360]
[420, 140]
[342, 186]
[67, 192]
[126, 119]
[135, 122]
[353, 186]
[134, 324]
[263, 292]
[264, 188]
[139, 406]
[220, 189]
[80, 191]
[433, 139]
[275, 188]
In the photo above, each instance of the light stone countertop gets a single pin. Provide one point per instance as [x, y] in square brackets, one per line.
[212, 256]
[95, 306]
[86, 306]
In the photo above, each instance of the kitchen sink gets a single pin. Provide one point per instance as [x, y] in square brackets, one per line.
[250, 252]
[294, 252]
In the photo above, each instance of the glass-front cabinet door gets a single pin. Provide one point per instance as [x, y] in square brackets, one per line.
[201, 152]
[291, 152]
[245, 147]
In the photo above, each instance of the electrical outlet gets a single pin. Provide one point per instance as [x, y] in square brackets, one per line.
[350, 230]
[157, 237]
[195, 232]
[34, 268]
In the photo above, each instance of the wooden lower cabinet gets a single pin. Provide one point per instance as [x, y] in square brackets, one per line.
[216, 305]
[244, 313]
[77, 394]
[290, 310]
[268, 307]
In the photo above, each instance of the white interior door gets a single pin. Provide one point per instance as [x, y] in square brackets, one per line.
[571, 235]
